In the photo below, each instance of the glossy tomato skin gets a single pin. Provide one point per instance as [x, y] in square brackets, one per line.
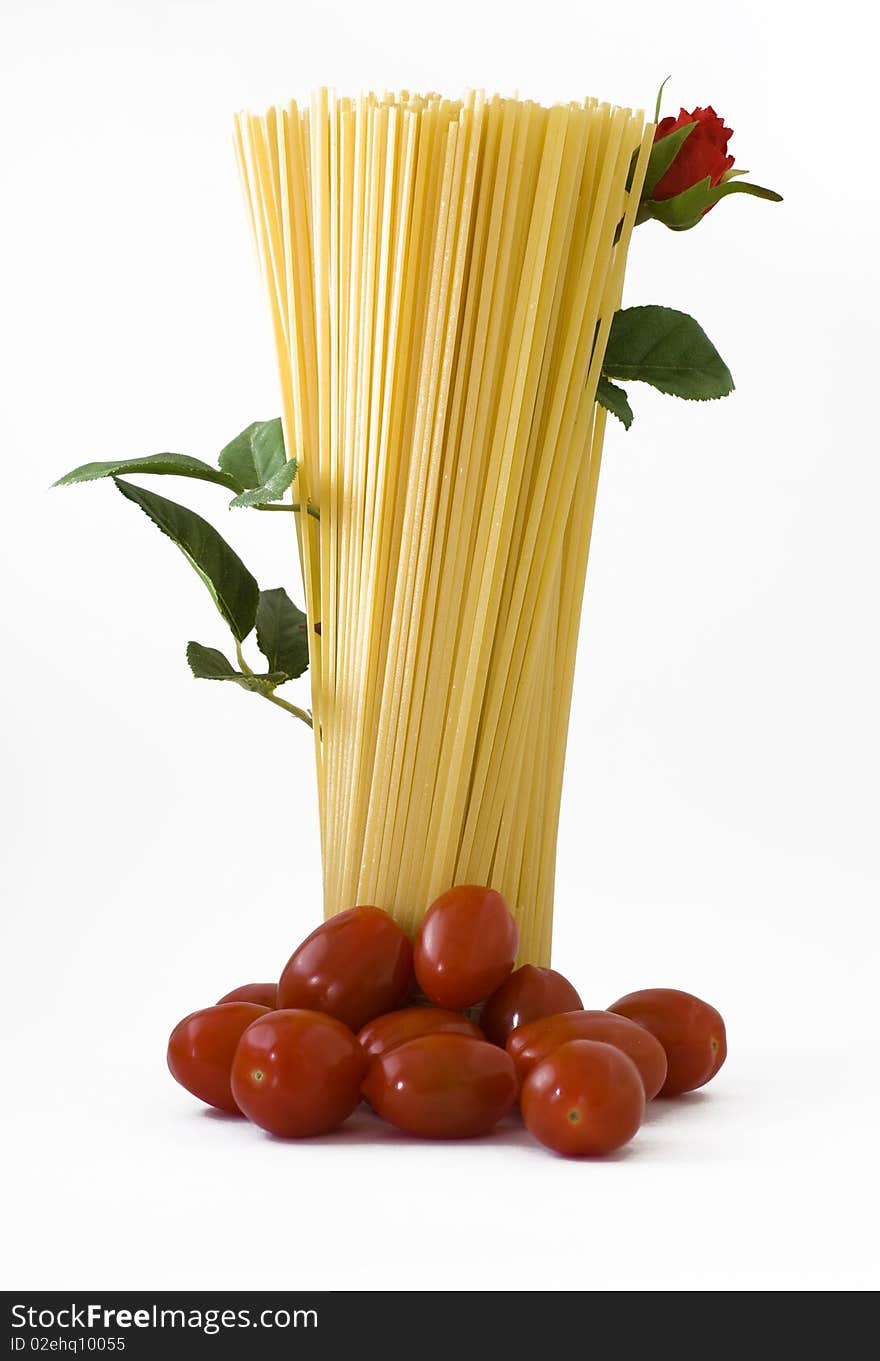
[355, 966]
[396, 1027]
[584, 1100]
[442, 1086]
[528, 994]
[298, 1073]
[264, 994]
[691, 1032]
[202, 1046]
[530, 1043]
[466, 946]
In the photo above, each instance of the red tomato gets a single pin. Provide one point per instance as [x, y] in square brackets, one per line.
[442, 1086]
[396, 1027]
[202, 1046]
[298, 1073]
[354, 967]
[584, 1099]
[264, 994]
[466, 946]
[691, 1032]
[527, 995]
[531, 1043]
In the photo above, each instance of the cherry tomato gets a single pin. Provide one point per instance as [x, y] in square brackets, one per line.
[396, 1027]
[527, 995]
[466, 946]
[531, 1043]
[584, 1099]
[202, 1046]
[356, 966]
[298, 1073]
[442, 1086]
[691, 1032]
[264, 994]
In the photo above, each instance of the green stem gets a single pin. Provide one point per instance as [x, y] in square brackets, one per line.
[291, 709]
[310, 510]
[243, 666]
[301, 714]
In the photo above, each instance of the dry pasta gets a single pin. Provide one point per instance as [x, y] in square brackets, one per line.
[441, 276]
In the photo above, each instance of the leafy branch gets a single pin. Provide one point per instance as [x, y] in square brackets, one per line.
[255, 466]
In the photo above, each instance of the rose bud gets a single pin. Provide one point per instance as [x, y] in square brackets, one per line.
[689, 170]
[702, 154]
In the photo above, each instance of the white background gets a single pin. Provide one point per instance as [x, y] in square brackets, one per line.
[721, 811]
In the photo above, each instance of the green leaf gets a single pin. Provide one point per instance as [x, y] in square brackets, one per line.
[744, 187]
[659, 98]
[663, 153]
[233, 589]
[685, 210]
[255, 455]
[667, 349]
[615, 400]
[282, 633]
[271, 490]
[180, 465]
[206, 663]
[682, 211]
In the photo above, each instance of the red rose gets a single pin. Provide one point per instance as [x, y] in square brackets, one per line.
[703, 152]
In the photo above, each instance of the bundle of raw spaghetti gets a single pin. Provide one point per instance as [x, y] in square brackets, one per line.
[442, 276]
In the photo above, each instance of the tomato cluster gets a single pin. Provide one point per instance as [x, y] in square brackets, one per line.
[361, 1014]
